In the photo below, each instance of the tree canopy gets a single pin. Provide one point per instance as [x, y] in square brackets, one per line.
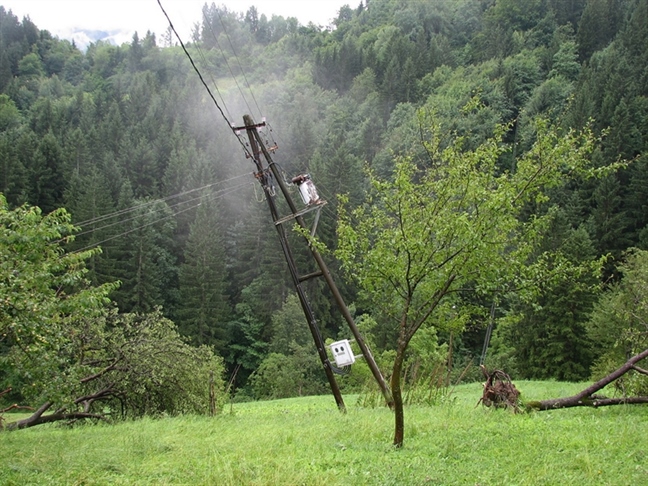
[64, 347]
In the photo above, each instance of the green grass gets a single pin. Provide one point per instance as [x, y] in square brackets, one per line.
[307, 441]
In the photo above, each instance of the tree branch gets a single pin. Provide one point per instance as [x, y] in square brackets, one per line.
[433, 303]
[98, 374]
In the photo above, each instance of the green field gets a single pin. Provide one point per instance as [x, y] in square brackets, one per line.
[307, 441]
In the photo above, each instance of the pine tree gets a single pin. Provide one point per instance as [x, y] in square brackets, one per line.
[598, 25]
[91, 205]
[608, 223]
[145, 265]
[46, 173]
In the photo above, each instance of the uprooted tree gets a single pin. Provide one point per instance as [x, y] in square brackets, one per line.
[618, 328]
[587, 397]
[499, 390]
[452, 224]
[66, 351]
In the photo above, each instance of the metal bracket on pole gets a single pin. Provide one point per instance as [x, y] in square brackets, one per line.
[317, 207]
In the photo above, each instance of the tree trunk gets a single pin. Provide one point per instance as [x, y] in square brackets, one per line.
[54, 417]
[397, 395]
[38, 418]
[586, 398]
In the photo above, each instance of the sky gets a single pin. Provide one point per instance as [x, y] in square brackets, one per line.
[121, 18]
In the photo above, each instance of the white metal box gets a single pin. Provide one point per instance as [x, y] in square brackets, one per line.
[342, 353]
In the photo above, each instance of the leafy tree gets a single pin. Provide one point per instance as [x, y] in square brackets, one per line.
[295, 374]
[31, 67]
[453, 225]
[289, 326]
[43, 294]
[67, 352]
[292, 367]
[619, 324]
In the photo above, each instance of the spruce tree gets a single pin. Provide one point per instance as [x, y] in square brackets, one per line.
[203, 311]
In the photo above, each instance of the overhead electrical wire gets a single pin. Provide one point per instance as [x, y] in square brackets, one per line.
[121, 212]
[204, 60]
[206, 21]
[240, 67]
[139, 207]
[211, 197]
[202, 80]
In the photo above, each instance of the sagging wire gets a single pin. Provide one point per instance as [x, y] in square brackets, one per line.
[202, 80]
[139, 207]
[132, 230]
[121, 212]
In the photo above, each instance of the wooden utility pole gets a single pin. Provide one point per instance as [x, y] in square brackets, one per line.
[264, 175]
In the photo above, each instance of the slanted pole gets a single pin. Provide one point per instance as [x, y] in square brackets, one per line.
[263, 177]
[258, 144]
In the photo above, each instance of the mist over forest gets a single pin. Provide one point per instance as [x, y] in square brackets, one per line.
[130, 142]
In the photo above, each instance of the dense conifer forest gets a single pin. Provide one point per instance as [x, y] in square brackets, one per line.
[128, 140]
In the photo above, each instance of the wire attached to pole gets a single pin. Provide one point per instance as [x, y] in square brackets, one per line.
[202, 80]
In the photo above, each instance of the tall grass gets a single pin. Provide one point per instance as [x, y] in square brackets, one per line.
[307, 441]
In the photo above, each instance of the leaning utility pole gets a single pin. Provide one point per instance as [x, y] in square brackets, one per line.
[265, 175]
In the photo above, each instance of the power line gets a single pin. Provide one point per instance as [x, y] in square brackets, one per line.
[240, 67]
[120, 212]
[141, 206]
[207, 21]
[202, 80]
[204, 60]
[132, 230]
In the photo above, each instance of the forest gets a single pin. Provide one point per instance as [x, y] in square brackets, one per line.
[150, 221]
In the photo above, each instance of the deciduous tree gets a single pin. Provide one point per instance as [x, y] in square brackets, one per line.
[453, 225]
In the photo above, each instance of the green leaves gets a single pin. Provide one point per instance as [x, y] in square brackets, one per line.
[60, 344]
[618, 326]
[43, 296]
[431, 231]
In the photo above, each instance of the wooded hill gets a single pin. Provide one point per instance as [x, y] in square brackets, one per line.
[128, 140]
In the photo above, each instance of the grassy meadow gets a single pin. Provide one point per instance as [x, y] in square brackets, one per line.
[307, 441]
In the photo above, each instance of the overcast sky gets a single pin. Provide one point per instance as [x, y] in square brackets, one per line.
[63, 17]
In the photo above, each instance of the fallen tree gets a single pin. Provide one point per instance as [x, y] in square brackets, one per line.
[587, 397]
[67, 352]
[141, 366]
